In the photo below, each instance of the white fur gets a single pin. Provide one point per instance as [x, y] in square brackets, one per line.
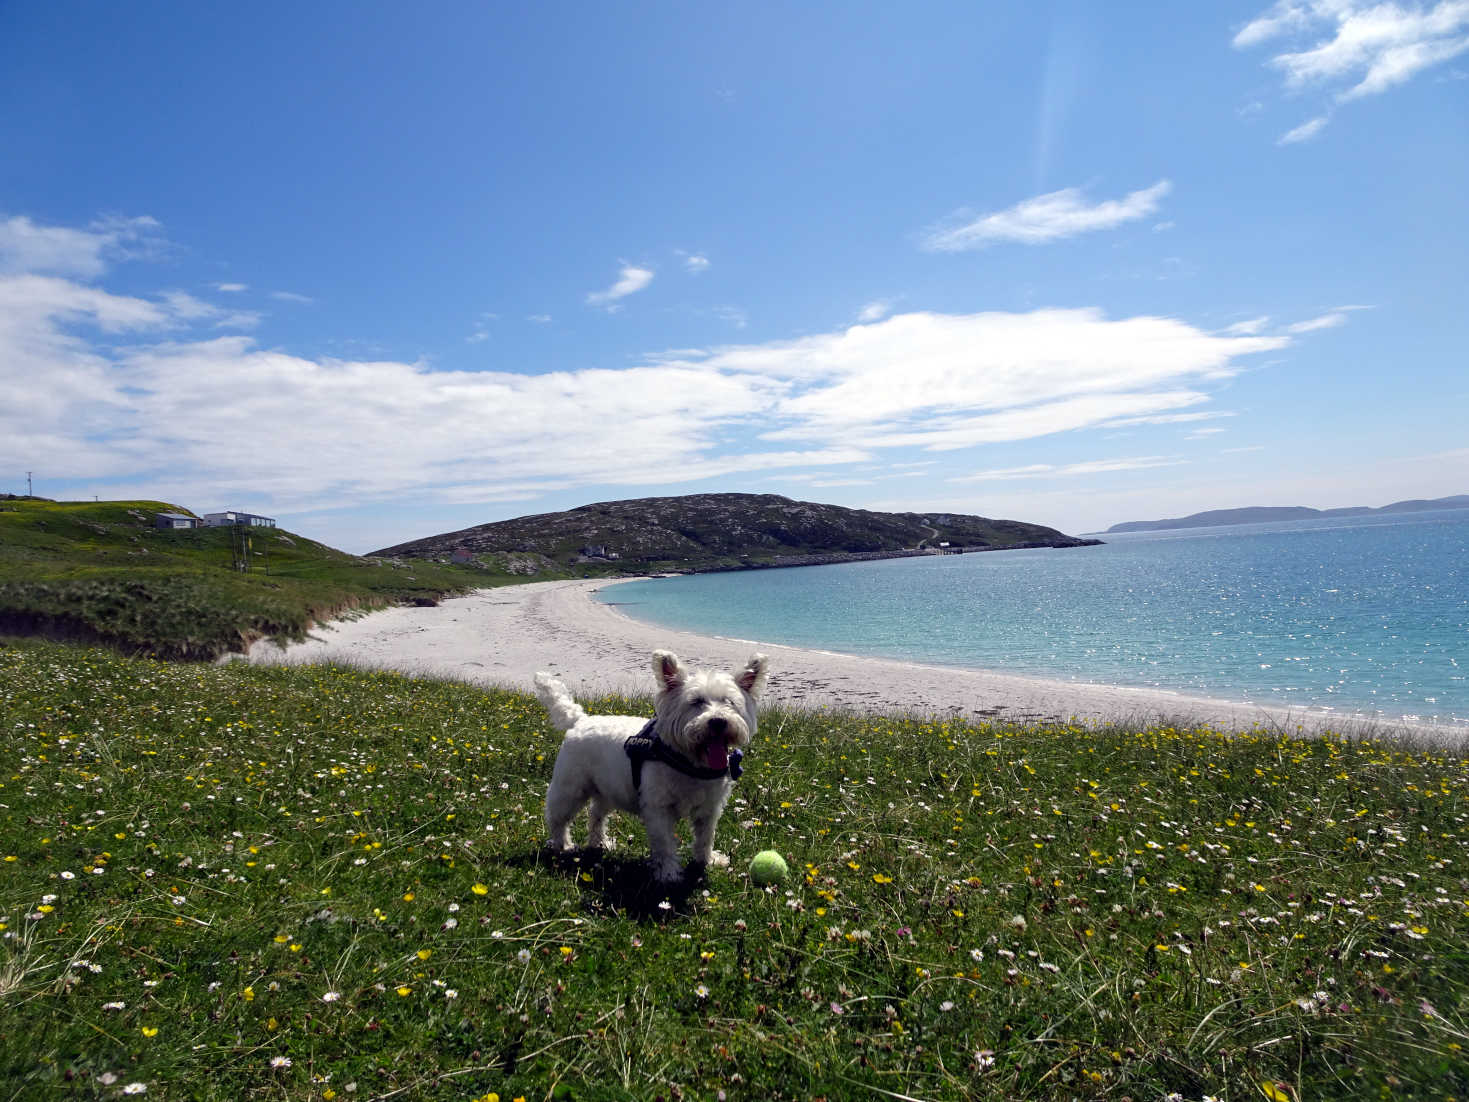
[695, 710]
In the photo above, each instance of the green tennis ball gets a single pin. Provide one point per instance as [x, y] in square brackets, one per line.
[768, 867]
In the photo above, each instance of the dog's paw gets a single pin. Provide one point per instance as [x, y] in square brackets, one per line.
[667, 872]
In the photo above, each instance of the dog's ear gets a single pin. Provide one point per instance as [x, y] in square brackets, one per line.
[667, 670]
[752, 677]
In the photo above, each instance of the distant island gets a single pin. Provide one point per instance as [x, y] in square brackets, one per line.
[1263, 514]
[706, 532]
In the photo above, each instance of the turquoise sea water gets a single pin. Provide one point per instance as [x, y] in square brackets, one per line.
[1365, 615]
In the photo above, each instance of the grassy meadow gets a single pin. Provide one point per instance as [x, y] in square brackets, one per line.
[237, 882]
[100, 571]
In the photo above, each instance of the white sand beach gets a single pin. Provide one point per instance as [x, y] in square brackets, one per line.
[503, 636]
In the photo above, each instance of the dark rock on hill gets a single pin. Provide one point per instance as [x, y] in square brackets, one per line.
[1262, 514]
[701, 532]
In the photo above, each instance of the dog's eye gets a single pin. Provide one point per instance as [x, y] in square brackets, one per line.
[699, 702]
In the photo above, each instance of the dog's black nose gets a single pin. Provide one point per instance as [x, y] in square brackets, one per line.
[718, 725]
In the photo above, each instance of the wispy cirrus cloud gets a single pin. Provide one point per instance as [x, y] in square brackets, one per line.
[1247, 327]
[982, 378]
[732, 314]
[1044, 218]
[1071, 470]
[1351, 49]
[1324, 321]
[1305, 132]
[184, 307]
[693, 263]
[1168, 418]
[630, 280]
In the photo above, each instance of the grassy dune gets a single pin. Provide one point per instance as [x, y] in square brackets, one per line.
[245, 882]
[100, 572]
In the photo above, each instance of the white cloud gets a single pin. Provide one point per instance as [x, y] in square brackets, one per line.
[539, 319]
[184, 307]
[1286, 15]
[1356, 48]
[1325, 321]
[875, 311]
[126, 392]
[232, 288]
[974, 378]
[292, 296]
[1248, 327]
[1071, 470]
[732, 314]
[696, 263]
[61, 250]
[481, 332]
[165, 406]
[630, 280]
[237, 319]
[1045, 218]
[1168, 419]
[1305, 132]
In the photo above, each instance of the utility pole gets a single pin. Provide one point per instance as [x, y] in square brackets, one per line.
[28, 484]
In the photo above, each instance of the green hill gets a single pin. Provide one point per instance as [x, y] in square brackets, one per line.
[701, 532]
[101, 572]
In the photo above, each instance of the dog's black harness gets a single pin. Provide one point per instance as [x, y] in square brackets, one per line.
[646, 746]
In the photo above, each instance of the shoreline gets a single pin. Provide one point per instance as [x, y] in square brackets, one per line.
[503, 636]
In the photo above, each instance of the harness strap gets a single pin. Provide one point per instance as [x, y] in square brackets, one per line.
[646, 746]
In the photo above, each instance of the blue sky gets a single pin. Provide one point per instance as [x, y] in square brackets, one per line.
[384, 271]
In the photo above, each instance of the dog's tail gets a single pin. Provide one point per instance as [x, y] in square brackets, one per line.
[565, 712]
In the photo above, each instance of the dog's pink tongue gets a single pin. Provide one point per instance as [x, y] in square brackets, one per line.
[717, 756]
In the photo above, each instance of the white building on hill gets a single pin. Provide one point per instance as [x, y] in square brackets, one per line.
[235, 518]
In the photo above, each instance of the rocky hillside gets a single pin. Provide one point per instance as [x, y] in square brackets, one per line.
[702, 532]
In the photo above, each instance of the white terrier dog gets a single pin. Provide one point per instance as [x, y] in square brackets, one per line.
[682, 764]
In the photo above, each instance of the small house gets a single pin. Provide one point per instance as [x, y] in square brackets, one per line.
[462, 556]
[175, 520]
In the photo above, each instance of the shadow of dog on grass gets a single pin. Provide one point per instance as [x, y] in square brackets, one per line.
[612, 883]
